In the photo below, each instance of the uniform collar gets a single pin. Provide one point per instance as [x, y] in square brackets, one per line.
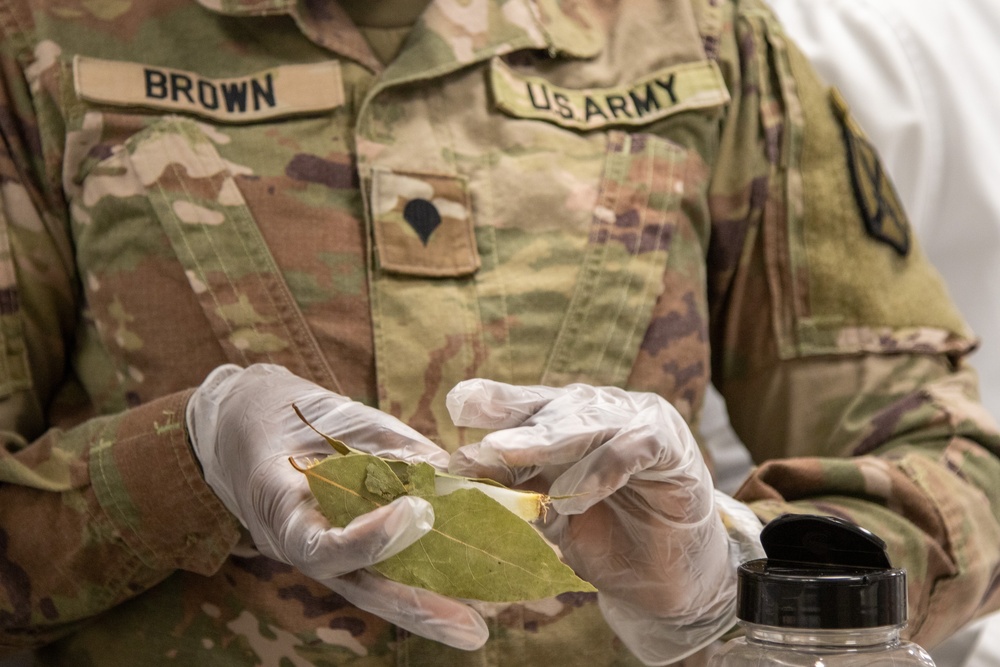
[450, 33]
[571, 28]
[454, 33]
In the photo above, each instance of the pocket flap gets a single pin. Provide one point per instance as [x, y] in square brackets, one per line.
[423, 224]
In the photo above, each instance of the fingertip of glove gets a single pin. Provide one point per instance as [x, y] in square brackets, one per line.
[460, 463]
[469, 462]
[437, 459]
[467, 634]
[472, 641]
[416, 511]
[462, 411]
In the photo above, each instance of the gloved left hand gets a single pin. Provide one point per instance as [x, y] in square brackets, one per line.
[635, 507]
[243, 430]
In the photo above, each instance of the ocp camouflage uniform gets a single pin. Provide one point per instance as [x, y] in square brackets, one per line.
[642, 193]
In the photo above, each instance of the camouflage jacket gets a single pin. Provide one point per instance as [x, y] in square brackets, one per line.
[641, 193]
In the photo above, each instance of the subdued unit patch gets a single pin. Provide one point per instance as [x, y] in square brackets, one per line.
[881, 209]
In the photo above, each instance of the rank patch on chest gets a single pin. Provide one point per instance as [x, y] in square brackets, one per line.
[285, 90]
[423, 224]
[667, 91]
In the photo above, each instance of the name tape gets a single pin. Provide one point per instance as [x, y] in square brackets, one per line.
[657, 95]
[280, 91]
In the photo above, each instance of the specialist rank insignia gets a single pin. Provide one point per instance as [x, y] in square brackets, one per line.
[881, 210]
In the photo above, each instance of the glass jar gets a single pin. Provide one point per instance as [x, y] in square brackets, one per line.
[825, 596]
[765, 646]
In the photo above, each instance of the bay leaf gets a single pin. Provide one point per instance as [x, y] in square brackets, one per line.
[477, 549]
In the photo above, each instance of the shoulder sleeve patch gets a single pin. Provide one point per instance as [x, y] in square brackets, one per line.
[877, 198]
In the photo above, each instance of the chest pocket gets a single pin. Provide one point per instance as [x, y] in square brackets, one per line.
[623, 264]
[171, 171]
[529, 305]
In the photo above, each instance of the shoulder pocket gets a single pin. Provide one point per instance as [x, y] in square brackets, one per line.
[846, 274]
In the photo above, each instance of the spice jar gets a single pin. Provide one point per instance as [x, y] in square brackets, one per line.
[825, 596]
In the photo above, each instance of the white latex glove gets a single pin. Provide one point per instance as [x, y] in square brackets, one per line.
[243, 430]
[636, 514]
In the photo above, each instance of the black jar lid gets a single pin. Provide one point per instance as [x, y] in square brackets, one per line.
[821, 572]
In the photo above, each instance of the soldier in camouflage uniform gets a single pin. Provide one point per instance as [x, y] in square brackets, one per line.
[648, 194]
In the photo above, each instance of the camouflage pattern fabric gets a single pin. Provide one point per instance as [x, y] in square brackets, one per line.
[652, 194]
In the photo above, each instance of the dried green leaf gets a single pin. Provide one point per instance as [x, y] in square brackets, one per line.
[380, 480]
[477, 548]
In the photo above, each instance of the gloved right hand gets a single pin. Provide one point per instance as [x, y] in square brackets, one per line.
[635, 511]
[243, 430]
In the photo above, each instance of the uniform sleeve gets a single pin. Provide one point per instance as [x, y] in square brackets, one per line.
[836, 345]
[93, 510]
[926, 93]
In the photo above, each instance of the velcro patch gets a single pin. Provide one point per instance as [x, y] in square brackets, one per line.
[280, 91]
[696, 85]
[881, 209]
[423, 224]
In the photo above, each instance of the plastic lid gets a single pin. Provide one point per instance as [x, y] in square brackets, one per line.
[821, 572]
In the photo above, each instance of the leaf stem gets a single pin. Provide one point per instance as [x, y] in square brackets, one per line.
[339, 446]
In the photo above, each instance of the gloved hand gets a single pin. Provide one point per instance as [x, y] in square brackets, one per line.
[635, 509]
[243, 430]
